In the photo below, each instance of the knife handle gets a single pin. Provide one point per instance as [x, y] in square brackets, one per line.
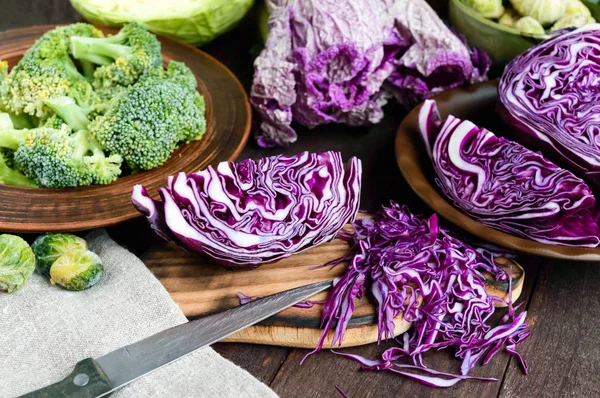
[86, 380]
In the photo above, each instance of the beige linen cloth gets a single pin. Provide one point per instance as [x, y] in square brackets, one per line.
[45, 330]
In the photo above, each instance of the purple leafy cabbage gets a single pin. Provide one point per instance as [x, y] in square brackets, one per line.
[326, 61]
[256, 211]
[414, 268]
[506, 186]
[549, 95]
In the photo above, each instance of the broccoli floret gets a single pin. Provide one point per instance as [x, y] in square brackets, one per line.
[55, 159]
[46, 71]
[147, 123]
[123, 58]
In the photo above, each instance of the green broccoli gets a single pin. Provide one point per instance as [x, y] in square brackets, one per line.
[46, 71]
[123, 58]
[147, 123]
[176, 72]
[75, 116]
[56, 159]
[53, 157]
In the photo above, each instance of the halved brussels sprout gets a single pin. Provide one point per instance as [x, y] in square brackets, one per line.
[77, 270]
[48, 248]
[17, 263]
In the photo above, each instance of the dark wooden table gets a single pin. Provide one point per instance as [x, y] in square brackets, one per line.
[562, 298]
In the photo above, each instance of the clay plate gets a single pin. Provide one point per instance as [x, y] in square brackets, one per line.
[475, 103]
[74, 209]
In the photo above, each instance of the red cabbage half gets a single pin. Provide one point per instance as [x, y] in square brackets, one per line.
[256, 211]
[506, 186]
[326, 61]
[550, 95]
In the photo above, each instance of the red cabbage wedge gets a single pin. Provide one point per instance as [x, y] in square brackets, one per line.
[549, 95]
[256, 211]
[506, 186]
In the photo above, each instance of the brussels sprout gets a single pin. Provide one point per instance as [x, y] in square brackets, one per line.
[573, 21]
[529, 26]
[487, 8]
[543, 11]
[17, 263]
[77, 270]
[509, 18]
[576, 7]
[48, 248]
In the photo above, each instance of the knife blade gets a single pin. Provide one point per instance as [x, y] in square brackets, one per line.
[98, 377]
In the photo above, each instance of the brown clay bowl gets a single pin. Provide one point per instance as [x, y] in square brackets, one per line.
[74, 209]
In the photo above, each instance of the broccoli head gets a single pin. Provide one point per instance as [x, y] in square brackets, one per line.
[46, 71]
[147, 123]
[56, 159]
[123, 58]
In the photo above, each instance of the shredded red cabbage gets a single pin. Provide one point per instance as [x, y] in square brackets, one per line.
[414, 267]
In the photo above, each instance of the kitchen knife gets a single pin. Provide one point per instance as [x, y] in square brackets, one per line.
[98, 377]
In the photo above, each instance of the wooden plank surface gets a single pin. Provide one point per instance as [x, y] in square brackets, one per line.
[564, 347]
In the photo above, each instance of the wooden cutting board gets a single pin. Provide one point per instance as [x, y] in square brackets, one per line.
[201, 287]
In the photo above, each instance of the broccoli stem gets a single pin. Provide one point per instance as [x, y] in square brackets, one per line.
[66, 63]
[10, 138]
[85, 145]
[8, 176]
[24, 121]
[100, 51]
[88, 69]
[68, 110]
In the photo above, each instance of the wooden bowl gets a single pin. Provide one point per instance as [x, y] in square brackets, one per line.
[500, 42]
[228, 115]
[476, 103]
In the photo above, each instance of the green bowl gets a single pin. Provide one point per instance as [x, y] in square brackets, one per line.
[500, 42]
